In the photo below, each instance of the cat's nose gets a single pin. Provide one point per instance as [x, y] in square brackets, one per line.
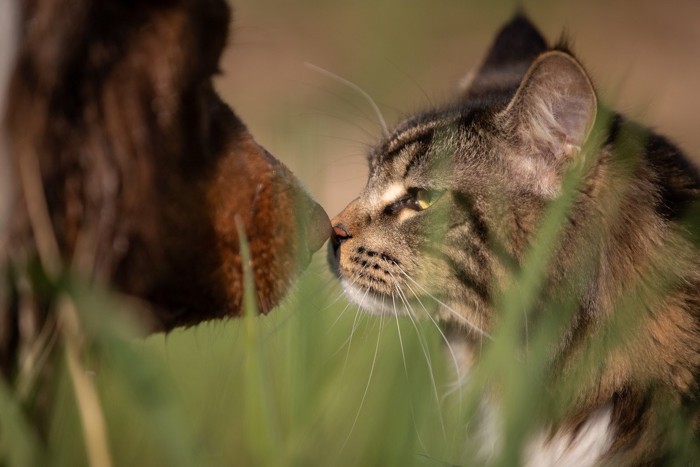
[339, 235]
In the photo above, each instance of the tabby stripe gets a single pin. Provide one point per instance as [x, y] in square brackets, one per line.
[422, 146]
[472, 283]
[476, 217]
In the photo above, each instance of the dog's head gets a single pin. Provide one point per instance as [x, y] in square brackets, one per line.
[148, 178]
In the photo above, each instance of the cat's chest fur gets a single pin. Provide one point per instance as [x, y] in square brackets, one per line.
[583, 446]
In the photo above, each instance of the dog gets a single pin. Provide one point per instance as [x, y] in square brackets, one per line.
[128, 171]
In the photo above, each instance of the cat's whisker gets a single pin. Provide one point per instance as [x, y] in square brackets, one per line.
[340, 315]
[348, 341]
[453, 357]
[442, 334]
[424, 348]
[423, 344]
[454, 312]
[398, 329]
[369, 380]
[527, 334]
[356, 88]
[352, 331]
[349, 122]
[342, 293]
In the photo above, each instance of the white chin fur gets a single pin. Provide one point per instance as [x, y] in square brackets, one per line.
[372, 302]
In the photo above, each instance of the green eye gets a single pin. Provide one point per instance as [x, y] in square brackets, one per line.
[425, 198]
[417, 199]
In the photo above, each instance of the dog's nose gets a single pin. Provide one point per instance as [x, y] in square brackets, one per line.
[317, 227]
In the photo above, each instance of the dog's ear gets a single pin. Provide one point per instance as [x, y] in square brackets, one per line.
[516, 46]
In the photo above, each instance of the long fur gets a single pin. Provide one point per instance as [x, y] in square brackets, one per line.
[627, 263]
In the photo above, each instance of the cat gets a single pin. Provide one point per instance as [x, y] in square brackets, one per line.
[452, 207]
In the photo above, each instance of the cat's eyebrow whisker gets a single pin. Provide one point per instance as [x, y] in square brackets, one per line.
[356, 88]
[346, 121]
[447, 307]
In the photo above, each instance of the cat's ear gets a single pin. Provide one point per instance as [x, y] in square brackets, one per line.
[516, 46]
[554, 108]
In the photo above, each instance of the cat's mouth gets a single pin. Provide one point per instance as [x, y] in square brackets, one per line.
[397, 303]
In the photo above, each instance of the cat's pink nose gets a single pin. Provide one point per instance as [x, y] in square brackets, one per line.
[341, 232]
[339, 235]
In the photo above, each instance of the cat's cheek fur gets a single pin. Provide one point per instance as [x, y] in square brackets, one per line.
[536, 175]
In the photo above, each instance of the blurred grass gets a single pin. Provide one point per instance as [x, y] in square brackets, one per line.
[287, 389]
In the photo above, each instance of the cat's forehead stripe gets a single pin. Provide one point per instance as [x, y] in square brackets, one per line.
[393, 192]
[412, 133]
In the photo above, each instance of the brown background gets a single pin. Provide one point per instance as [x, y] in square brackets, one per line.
[643, 56]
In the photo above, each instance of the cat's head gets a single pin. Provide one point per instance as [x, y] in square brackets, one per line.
[451, 190]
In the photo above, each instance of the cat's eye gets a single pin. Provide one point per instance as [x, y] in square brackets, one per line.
[421, 199]
[425, 198]
[417, 199]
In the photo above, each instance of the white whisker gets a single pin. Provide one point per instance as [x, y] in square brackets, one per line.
[447, 307]
[369, 380]
[340, 315]
[398, 329]
[403, 355]
[424, 349]
[355, 87]
[442, 334]
[352, 332]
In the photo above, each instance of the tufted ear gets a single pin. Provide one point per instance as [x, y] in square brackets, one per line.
[554, 108]
[515, 47]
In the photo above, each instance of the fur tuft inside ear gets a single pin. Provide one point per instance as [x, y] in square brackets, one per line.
[555, 106]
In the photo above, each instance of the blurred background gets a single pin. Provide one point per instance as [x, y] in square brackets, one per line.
[642, 55]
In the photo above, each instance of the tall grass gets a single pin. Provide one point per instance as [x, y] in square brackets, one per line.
[315, 383]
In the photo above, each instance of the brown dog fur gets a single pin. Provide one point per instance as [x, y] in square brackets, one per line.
[131, 172]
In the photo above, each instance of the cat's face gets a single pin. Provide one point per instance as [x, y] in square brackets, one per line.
[418, 228]
[451, 191]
